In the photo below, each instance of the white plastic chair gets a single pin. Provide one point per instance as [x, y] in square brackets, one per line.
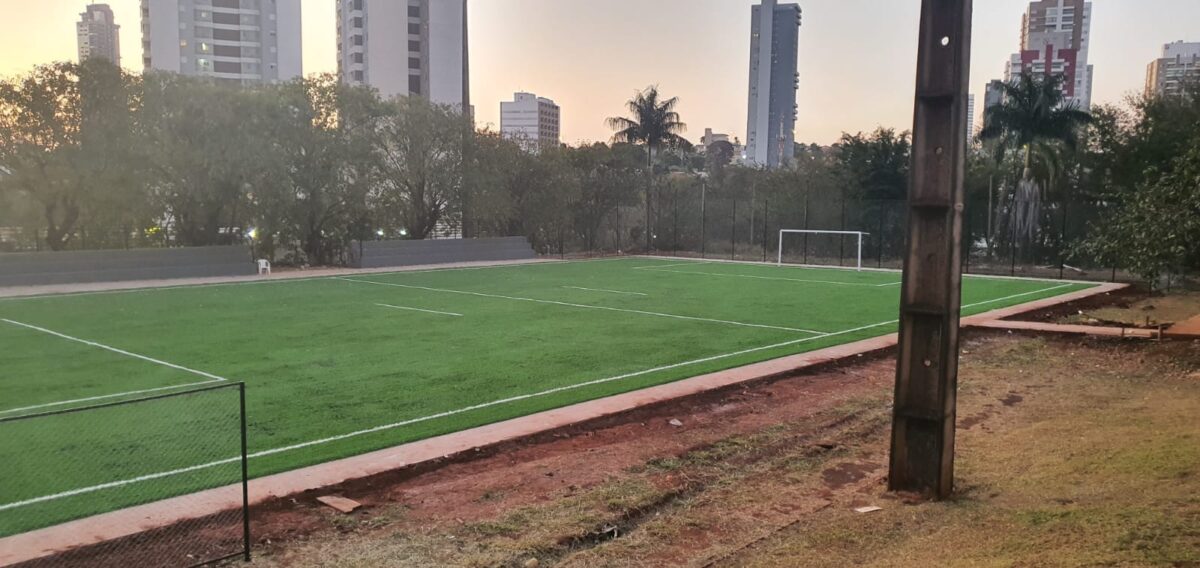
[264, 266]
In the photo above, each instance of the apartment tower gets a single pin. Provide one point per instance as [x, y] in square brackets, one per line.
[98, 33]
[771, 112]
[1055, 35]
[236, 41]
[1171, 74]
[406, 47]
[530, 120]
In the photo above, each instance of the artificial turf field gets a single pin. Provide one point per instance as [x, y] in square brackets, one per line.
[338, 366]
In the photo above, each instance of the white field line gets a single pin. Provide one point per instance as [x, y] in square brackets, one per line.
[1018, 295]
[655, 269]
[402, 423]
[304, 278]
[855, 269]
[116, 350]
[419, 310]
[603, 290]
[695, 263]
[585, 306]
[114, 484]
[888, 284]
[102, 397]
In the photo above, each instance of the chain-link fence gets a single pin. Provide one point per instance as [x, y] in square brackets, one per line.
[700, 222]
[71, 472]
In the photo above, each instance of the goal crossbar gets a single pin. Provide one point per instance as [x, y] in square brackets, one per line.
[858, 234]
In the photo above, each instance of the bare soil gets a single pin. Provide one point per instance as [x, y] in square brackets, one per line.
[1070, 451]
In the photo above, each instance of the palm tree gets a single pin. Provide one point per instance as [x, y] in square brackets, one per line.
[1036, 119]
[654, 123]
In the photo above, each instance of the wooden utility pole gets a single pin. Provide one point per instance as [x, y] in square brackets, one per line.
[922, 454]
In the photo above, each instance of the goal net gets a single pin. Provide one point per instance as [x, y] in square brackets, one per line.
[821, 248]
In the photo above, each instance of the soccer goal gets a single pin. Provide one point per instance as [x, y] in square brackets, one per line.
[817, 247]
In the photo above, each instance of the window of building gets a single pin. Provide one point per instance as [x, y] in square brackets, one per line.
[414, 29]
[234, 4]
[358, 22]
[226, 19]
[414, 62]
[414, 46]
[227, 35]
[414, 84]
[358, 76]
[414, 11]
[227, 51]
[357, 57]
[358, 40]
[227, 67]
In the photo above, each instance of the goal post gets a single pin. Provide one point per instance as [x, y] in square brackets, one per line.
[857, 235]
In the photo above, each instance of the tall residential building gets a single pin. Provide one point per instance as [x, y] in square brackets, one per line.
[1169, 75]
[531, 120]
[98, 33]
[406, 47]
[237, 41]
[993, 95]
[1055, 35]
[970, 119]
[771, 113]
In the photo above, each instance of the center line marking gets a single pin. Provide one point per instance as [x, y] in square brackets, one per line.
[656, 269]
[419, 310]
[585, 306]
[603, 290]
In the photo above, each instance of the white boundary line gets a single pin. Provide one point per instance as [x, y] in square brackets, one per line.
[116, 350]
[852, 269]
[868, 285]
[102, 397]
[113, 484]
[284, 280]
[212, 378]
[419, 310]
[603, 290]
[568, 304]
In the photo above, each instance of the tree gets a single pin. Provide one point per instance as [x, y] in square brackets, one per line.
[875, 166]
[656, 125]
[1035, 119]
[606, 182]
[418, 164]
[316, 192]
[64, 139]
[203, 147]
[1157, 229]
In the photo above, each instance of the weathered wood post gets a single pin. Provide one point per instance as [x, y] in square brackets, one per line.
[922, 453]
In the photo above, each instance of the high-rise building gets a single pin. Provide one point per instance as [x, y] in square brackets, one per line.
[1170, 74]
[970, 119]
[238, 41]
[771, 113]
[993, 95]
[530, 120]
[98, 33]
[406, 47]
[1055, 35]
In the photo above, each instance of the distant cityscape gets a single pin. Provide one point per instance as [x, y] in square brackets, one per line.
[254, 41]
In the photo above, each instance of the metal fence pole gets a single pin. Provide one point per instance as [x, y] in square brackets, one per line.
[703, 219]
[245, 474]
[733, 231]
[879, 236]
[766, 211]
[1062, 241]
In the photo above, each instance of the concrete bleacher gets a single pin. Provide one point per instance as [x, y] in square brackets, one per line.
[378, 254]
[69, 267]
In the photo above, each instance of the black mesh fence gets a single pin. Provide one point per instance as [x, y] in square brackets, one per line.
[697, 221]
[70, 473]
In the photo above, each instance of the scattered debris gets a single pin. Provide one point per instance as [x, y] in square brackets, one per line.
[531, 563]
[675, 422]
[340, 503]
[867, 509]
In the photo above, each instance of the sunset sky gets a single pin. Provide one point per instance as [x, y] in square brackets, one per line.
[857, 57]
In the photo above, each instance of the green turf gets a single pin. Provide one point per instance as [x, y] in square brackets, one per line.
[321, 358]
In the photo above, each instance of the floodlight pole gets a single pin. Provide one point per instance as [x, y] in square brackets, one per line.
[922, 452]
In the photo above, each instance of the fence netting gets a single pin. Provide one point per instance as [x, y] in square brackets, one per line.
[72, 470]
[697, 221]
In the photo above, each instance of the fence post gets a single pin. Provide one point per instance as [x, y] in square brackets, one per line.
[766, 211]
[245, 474]
[879, 236]
[1062, 241]
[675, 221]
[703, 219]
[733, 232]
[807, 194]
